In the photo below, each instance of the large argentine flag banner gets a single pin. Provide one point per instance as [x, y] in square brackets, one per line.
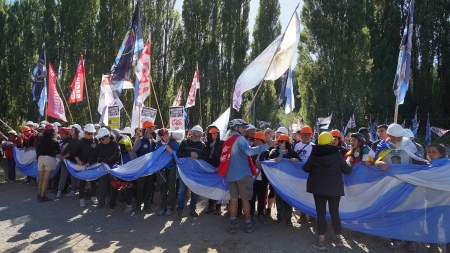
[407, 202]
[26, 161]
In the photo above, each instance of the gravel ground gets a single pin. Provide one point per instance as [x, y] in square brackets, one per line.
[63, 226]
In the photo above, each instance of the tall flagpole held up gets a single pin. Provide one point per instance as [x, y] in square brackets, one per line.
[254, 96]
[199, 95]
[157, 104]
[67, 105]
[87, 96]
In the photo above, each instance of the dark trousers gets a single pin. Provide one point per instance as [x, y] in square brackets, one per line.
[167, 189]
[321, 209]
[11, 168]
[259, 191]
[144, 189]
[128, 192]
[82, 189]
[104, 183]
[284, 210]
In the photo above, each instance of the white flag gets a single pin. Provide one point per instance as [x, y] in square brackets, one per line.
[326, 120]
[109, 95]
[289, 94]
[222, 123]
[351, 122]
[177, 100]
[282, 50]
[439, 131]
[193, 91]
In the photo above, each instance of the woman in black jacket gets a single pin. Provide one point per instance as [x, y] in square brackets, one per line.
[212, 152]
[325, 167]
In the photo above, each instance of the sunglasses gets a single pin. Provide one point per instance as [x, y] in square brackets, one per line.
[281, 142]
[102, 138]
[88, 133]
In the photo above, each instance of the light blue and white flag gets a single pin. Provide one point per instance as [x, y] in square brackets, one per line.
[43, 99]
[289, 94]
[26, 161]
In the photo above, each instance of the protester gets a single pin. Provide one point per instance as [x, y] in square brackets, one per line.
[396, 149]
[337, 141]
[271, 196]
[167, 176]
[325, 167]
[212, 152]
[125, 145]
[366, 134]
[193, 148]
[297, 136]
[261, 182]
[269, 138]
[67, 153]
[28, 141]
[250, 134]
[64, 141]
[48, 149]
[238, 168]
[409, 134]
[82, 152]
[359, 151]
[382, 135]
[10, 142]
[283, 150]
[144, 185]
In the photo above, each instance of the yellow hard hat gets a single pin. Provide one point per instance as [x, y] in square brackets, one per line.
[325, 138]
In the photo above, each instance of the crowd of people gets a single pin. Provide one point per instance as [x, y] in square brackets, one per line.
[238, 158]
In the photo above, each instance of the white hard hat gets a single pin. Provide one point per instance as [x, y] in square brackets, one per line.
[296, 129]
[36, 125]
[127, 130]
[282, 130]
[57, 124]
[29, 123]
[44, 122]
[12, 132]
[395, 130]
[101, 132]
[89, 128]
[408, 133]
[197, 128]
[250, 127]
[96, 125]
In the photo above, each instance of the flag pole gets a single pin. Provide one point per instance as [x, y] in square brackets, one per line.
[6, 124]
[151, 83]
[159, 109]
[67, 105]
[46, 103]
[199, 95]
[267, 70]
[87, 96]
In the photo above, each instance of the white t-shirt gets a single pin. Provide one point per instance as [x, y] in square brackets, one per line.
[303, 150]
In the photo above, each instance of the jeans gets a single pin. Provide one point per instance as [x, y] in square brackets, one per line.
[167, 189]
[63, 179]
[259, 191]
[182, 196]
[83, 187]
[284, 210]
[104, 183]
[11, 168]
[321, 209]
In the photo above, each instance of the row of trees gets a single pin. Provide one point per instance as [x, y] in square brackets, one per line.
[347, 55]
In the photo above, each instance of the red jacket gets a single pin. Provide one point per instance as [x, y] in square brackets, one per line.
[9, 150]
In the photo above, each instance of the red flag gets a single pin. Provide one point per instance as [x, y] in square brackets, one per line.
[177, 100]
[78, 83]
[55, 107]
[193, 91]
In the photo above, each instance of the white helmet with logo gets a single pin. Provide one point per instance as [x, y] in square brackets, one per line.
[101, 132]
[89, 128]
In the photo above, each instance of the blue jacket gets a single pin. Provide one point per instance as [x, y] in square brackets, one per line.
[239, 167]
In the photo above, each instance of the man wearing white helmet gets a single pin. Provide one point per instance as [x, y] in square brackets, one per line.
[237, 166]
[82, 152]
[409, 134]
[97, 127]
[192, 148]
[397, 150]
[250, 134]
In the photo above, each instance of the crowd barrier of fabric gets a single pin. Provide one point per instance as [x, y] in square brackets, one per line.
[408, 202]
[26, 162]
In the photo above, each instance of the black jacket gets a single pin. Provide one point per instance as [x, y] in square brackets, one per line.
[325, 166]
[106, 153]
[84, 149]
[214, 158]
[187, 146]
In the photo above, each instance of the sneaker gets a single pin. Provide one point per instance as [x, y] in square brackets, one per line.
[320, 245]
[338, 242]
[128, 209]
[410, 246]
[161, 212]
[249, 228]
[58, 195]
[70, 194]
[232, 228]
[192, 213]
[45, 199]
[169, 212]
[261, 219]
[94, 200]
[82, 203]
[279, 221]
[179, 215]
[395, 244]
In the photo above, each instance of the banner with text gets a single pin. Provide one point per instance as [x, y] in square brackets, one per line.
[176, 118]
[114, 117]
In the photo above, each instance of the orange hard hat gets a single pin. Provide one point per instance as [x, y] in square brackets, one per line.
[213, 130]
[336, 133]
[261, 136]
[283, 137]
[306, 130]
[25, 128]
[148, 124]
